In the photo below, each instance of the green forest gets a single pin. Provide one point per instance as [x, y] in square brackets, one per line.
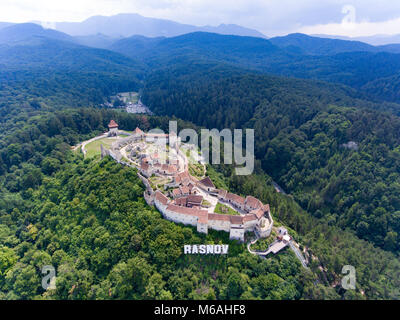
[301, 130]
[334, 149]
[88, 218]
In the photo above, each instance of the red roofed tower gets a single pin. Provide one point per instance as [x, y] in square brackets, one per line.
[113, 126]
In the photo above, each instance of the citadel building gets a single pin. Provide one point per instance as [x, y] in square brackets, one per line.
[185, 203]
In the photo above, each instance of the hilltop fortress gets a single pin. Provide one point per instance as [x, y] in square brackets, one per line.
[255, 216]
[183, 198]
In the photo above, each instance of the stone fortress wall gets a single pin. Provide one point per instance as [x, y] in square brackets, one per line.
[254, 215]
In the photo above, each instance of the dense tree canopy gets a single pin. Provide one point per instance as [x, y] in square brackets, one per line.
[335, 152]
[302, 132]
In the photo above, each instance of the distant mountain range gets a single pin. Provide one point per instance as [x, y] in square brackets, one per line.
[359, 65]
[127, 25]
[376, 40]
[355, 64]
[5, 24]
[16, 33]
[328, 46]
[102, 31]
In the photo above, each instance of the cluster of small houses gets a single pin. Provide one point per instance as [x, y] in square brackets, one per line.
[185, 204]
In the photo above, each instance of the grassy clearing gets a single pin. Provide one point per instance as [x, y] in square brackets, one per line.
[223, 209]
[196, 170]
[93, 148]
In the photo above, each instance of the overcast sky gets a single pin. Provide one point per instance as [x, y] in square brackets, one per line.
[271, 17]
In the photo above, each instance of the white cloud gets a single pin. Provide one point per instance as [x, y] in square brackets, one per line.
[272, 17]
[50, 10]
[360, 29]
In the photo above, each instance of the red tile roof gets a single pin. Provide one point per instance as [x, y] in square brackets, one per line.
[160, 197]
[207, 182]
[144, 166]
[138, 131]
[180, 201]
[222, 193]
[172, 169]
[235, 198]
[218, 217]
[176, 192]
[249, 217]
[236, 219]
[112, 124]
[253, 202]
[185, 189]
[195, 199]
[181, 177]
[187, 211]
[259, 213]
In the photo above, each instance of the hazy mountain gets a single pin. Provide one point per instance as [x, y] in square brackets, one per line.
[97, 41]
[376, 40]
[320, 46]
[394, 48]
[380, 40]
[31, 47]
[51, 54]
[351, 63]
[29, 32]
[35, 62]
[5, 24]
[126, 25]
[243, 51]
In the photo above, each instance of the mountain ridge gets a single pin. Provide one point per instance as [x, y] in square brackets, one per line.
[126, 25]
[27, 31]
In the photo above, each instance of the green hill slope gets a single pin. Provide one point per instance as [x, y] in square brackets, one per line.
[301, 130]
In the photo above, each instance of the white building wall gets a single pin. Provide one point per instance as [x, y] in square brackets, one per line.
[160, 207]
[202, 228]
[237, 234]
[219, 225]
[181, 218]
[250, 225]
[113, 131]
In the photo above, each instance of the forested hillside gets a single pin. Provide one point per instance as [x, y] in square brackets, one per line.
[306, 44]
[345, 64]
[328, 247]
[88, 218]
[27, 31]
[333, 148]
[41, 72]
[301, 130]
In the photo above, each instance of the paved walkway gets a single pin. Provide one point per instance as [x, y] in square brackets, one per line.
[299, 256]
[277, 246]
